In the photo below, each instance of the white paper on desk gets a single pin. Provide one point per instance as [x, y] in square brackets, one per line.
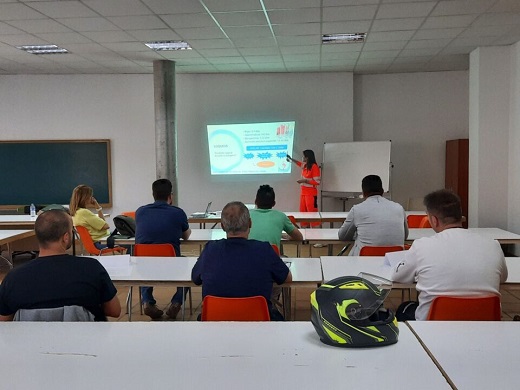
[392, 259]
[118, 265]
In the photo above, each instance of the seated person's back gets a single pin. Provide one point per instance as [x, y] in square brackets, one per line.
[376, 221]
[268, 224]
[454, 261]
[57, 279]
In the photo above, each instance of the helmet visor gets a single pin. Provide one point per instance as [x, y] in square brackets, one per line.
[384, 286]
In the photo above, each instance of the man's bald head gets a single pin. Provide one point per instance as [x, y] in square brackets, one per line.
[51, 226]
[235, 218]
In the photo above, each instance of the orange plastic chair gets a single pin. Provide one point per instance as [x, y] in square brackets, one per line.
[154, 250]
[130, 214]
[418, 221]
[275, 248]
[293, 220]
[457, 308]
[157, 250]
[235, 309]
[88, 244]
[379, 250]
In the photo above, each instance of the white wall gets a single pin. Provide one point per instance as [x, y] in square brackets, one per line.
[320, 103]
[117, 107]
[419, 112]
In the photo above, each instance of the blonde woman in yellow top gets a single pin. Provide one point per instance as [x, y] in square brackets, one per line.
[81, 201]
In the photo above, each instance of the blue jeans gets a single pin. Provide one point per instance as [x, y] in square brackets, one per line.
[147, 295]
[99, 245]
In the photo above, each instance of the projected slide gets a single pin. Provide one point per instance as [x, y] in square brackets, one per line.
[251, 148]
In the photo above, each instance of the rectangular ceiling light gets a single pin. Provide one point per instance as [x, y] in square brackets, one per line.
[168, 45]
[343, 38]
[42, 49]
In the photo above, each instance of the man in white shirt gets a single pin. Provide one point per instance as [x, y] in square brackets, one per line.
[452, 262]
[376, 221]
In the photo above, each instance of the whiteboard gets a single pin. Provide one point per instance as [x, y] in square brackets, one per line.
[345, 164]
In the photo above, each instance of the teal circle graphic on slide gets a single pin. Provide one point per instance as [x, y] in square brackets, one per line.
[226, 137]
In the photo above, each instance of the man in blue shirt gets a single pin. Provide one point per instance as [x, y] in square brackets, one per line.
[161, 223]
[237, 267]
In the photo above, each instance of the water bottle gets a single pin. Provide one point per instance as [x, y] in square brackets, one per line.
[33, 210]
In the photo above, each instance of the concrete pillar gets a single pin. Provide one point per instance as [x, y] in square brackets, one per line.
[489, 113]
[165, 129]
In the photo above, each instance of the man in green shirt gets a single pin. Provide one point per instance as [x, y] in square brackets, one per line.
[268, 224]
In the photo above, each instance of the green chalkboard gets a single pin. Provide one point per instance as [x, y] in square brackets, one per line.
[45, 172]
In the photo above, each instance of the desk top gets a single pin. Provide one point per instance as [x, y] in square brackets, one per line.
[21, 221]
[334, 266]
[178, 269]
[340, 216]
[474, 355]
[502, 236]
[226, 355]
[7, 236]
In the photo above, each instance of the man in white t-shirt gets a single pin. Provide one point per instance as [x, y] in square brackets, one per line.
[454, 261]
[376, 221]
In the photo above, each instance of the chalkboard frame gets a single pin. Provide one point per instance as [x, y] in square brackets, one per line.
[46, 171]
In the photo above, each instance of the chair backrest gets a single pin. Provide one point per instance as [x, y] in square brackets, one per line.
[293, 220]
[72, 313]
[155, 250]
[234, 309]
[89, 246]
[379, 250]
[457, 308]
[130, 214]
[276, 249]
[418, 221]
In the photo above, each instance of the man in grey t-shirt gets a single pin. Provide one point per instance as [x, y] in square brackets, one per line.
[376, 221]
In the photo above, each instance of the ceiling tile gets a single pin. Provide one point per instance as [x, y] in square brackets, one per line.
[396, 45]
[333, 14]
[7, 29]
[143, 22]
[219, 53]
[290, 4]
[39, 26]
[248, 32]
[118, 8]
[438, 33]
[297, 29]
[352, 26]
[497, 19]
[200, 33]
[260, 51]
[247, 18]
[154, 35]
[405, 10]
[232, 5]
[63, 38]
[63, 9]
[188, 20]
[291, 40]
[210, 43]
[396, 24]
[428, 43]
[389, 36]
[174, 7]
[462, 7]
[380, 54]
[351, 56]
[18, 11]
[448, 21]
[419, 52]
[304, 15]
[332, 3]
[22, 39]
[506, 6]
[226, 60]
[262, 59]
[301, 50]
[109, 36]
[473, 41]
[252, 42]
[341, 47]
[119, 47]
[484, 31]
[88, 24]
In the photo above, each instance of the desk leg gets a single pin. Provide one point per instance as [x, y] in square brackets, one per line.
[183, 303]
[129, 303]
[286, 302]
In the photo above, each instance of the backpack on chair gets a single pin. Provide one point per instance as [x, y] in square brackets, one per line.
[125, 228]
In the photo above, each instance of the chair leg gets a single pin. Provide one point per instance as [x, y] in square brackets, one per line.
[140, 301]
[191, 303]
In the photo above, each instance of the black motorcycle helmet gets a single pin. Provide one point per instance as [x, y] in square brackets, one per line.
[348, 312]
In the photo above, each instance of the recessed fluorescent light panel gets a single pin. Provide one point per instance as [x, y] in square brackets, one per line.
[168, 45]
[343, 38]
[43, 49]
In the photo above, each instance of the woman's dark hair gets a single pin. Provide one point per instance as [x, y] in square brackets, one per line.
[311, 159]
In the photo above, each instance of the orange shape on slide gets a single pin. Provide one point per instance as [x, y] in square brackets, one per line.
[265, 164]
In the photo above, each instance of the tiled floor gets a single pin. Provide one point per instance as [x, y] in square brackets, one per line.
[300, 296]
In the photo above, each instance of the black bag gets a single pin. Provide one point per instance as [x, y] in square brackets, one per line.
[125, 228]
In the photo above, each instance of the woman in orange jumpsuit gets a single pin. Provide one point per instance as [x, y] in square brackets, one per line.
[309, 182]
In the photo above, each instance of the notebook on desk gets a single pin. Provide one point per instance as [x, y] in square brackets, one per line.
[204, 214]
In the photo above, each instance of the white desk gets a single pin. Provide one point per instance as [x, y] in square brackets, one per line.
[330, 236]
[299, 216]
[9, 236]
[22, 221]
[212, 355]
[334, 266]
[474, 355]
[176, 272]
[340, 216]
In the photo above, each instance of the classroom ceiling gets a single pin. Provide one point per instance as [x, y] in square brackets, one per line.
[234, 36]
